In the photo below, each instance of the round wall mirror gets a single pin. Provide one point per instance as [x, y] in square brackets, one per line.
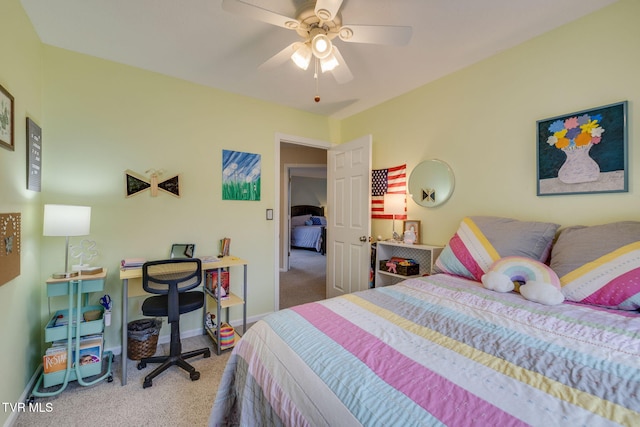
[431, 183]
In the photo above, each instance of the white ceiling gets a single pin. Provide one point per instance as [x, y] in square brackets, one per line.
[196, 40]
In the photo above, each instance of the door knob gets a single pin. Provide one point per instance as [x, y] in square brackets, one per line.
[363, 239]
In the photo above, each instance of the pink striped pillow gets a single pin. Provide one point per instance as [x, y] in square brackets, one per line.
[482, 240]
[600, 265]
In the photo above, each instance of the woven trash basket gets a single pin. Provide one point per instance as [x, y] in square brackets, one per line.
[142, 338]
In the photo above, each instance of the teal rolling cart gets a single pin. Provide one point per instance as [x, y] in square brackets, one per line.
[77, 321]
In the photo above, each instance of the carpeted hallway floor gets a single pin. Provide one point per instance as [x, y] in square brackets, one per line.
[306, 279]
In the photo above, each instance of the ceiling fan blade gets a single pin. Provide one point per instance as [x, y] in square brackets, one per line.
[341, 73]
[280, 57]
[376, 34]
[247, 10]
[327, 9]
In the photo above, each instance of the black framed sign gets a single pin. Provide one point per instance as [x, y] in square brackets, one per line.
[34, 156]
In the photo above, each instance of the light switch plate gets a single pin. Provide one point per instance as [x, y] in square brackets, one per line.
[269, 214]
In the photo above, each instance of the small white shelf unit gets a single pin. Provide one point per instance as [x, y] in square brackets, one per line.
[425, 255]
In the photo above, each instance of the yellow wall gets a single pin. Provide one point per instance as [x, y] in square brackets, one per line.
[102, 118]
[482, 122]
[20, 298]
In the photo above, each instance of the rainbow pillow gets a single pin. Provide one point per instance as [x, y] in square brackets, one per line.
[534, 280]
[600, 264]
[482, 240]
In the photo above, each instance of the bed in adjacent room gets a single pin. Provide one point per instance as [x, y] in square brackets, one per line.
[459, 347]
[308, 227]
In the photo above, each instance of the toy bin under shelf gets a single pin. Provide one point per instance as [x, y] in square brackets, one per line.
[55, 333]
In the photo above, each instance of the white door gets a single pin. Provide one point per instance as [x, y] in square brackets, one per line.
[349, 216]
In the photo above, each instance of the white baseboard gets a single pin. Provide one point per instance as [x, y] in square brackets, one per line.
[237, 323]
[23, 397]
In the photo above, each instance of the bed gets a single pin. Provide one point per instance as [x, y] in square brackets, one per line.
[449, 349]
[308, 227]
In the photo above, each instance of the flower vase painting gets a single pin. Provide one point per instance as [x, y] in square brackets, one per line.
[583, 152]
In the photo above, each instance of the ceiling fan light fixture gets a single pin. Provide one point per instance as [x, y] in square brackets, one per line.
[329, 63]
[323, 14]
[345, 33]
[321, 46]
[302, 56]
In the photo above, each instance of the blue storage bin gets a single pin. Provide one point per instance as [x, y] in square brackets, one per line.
[55, 333]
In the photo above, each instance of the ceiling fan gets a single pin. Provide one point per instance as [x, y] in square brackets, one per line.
[318, 23]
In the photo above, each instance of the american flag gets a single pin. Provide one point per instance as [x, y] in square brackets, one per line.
[392, 180]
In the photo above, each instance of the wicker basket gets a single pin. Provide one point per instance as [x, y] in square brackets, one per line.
[137, 350]
[142, 339]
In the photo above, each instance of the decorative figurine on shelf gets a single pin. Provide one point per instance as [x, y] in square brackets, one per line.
[85, 251]
[409, 237]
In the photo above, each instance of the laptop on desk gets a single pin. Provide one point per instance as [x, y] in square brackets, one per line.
[183, 250]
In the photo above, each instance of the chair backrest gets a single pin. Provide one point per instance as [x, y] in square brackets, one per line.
[181, 274]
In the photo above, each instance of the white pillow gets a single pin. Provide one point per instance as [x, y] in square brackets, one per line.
[297, 221]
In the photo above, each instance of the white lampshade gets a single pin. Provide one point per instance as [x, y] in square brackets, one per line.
[321, 46]
[394, 204]
[329, 63]
[302, 56]
[66, 220]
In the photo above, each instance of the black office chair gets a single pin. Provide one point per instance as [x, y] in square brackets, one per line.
[172, 279]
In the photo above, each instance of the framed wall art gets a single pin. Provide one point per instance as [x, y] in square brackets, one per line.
[583, 152]
[136, 183]
[241, 176]
[7, 129]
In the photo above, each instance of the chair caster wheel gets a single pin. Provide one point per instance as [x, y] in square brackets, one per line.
[110, 379]
[141, 365]
[147, 383]
[195, 375]
[207, 353]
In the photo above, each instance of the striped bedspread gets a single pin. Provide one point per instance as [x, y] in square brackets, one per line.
[434, 351]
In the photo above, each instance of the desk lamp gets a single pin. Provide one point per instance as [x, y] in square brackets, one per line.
[67, 221]
[394, 204]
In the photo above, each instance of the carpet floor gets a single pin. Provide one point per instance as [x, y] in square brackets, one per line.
[173, 400]
[306, 279]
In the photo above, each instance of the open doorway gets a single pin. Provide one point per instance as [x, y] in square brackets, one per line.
[302, 266]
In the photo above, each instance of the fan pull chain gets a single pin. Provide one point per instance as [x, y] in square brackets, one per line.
[315, 76]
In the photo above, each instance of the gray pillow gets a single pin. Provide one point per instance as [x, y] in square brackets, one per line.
[600, 264]
[481, 240]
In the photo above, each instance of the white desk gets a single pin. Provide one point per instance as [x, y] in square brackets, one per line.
[136, 290]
